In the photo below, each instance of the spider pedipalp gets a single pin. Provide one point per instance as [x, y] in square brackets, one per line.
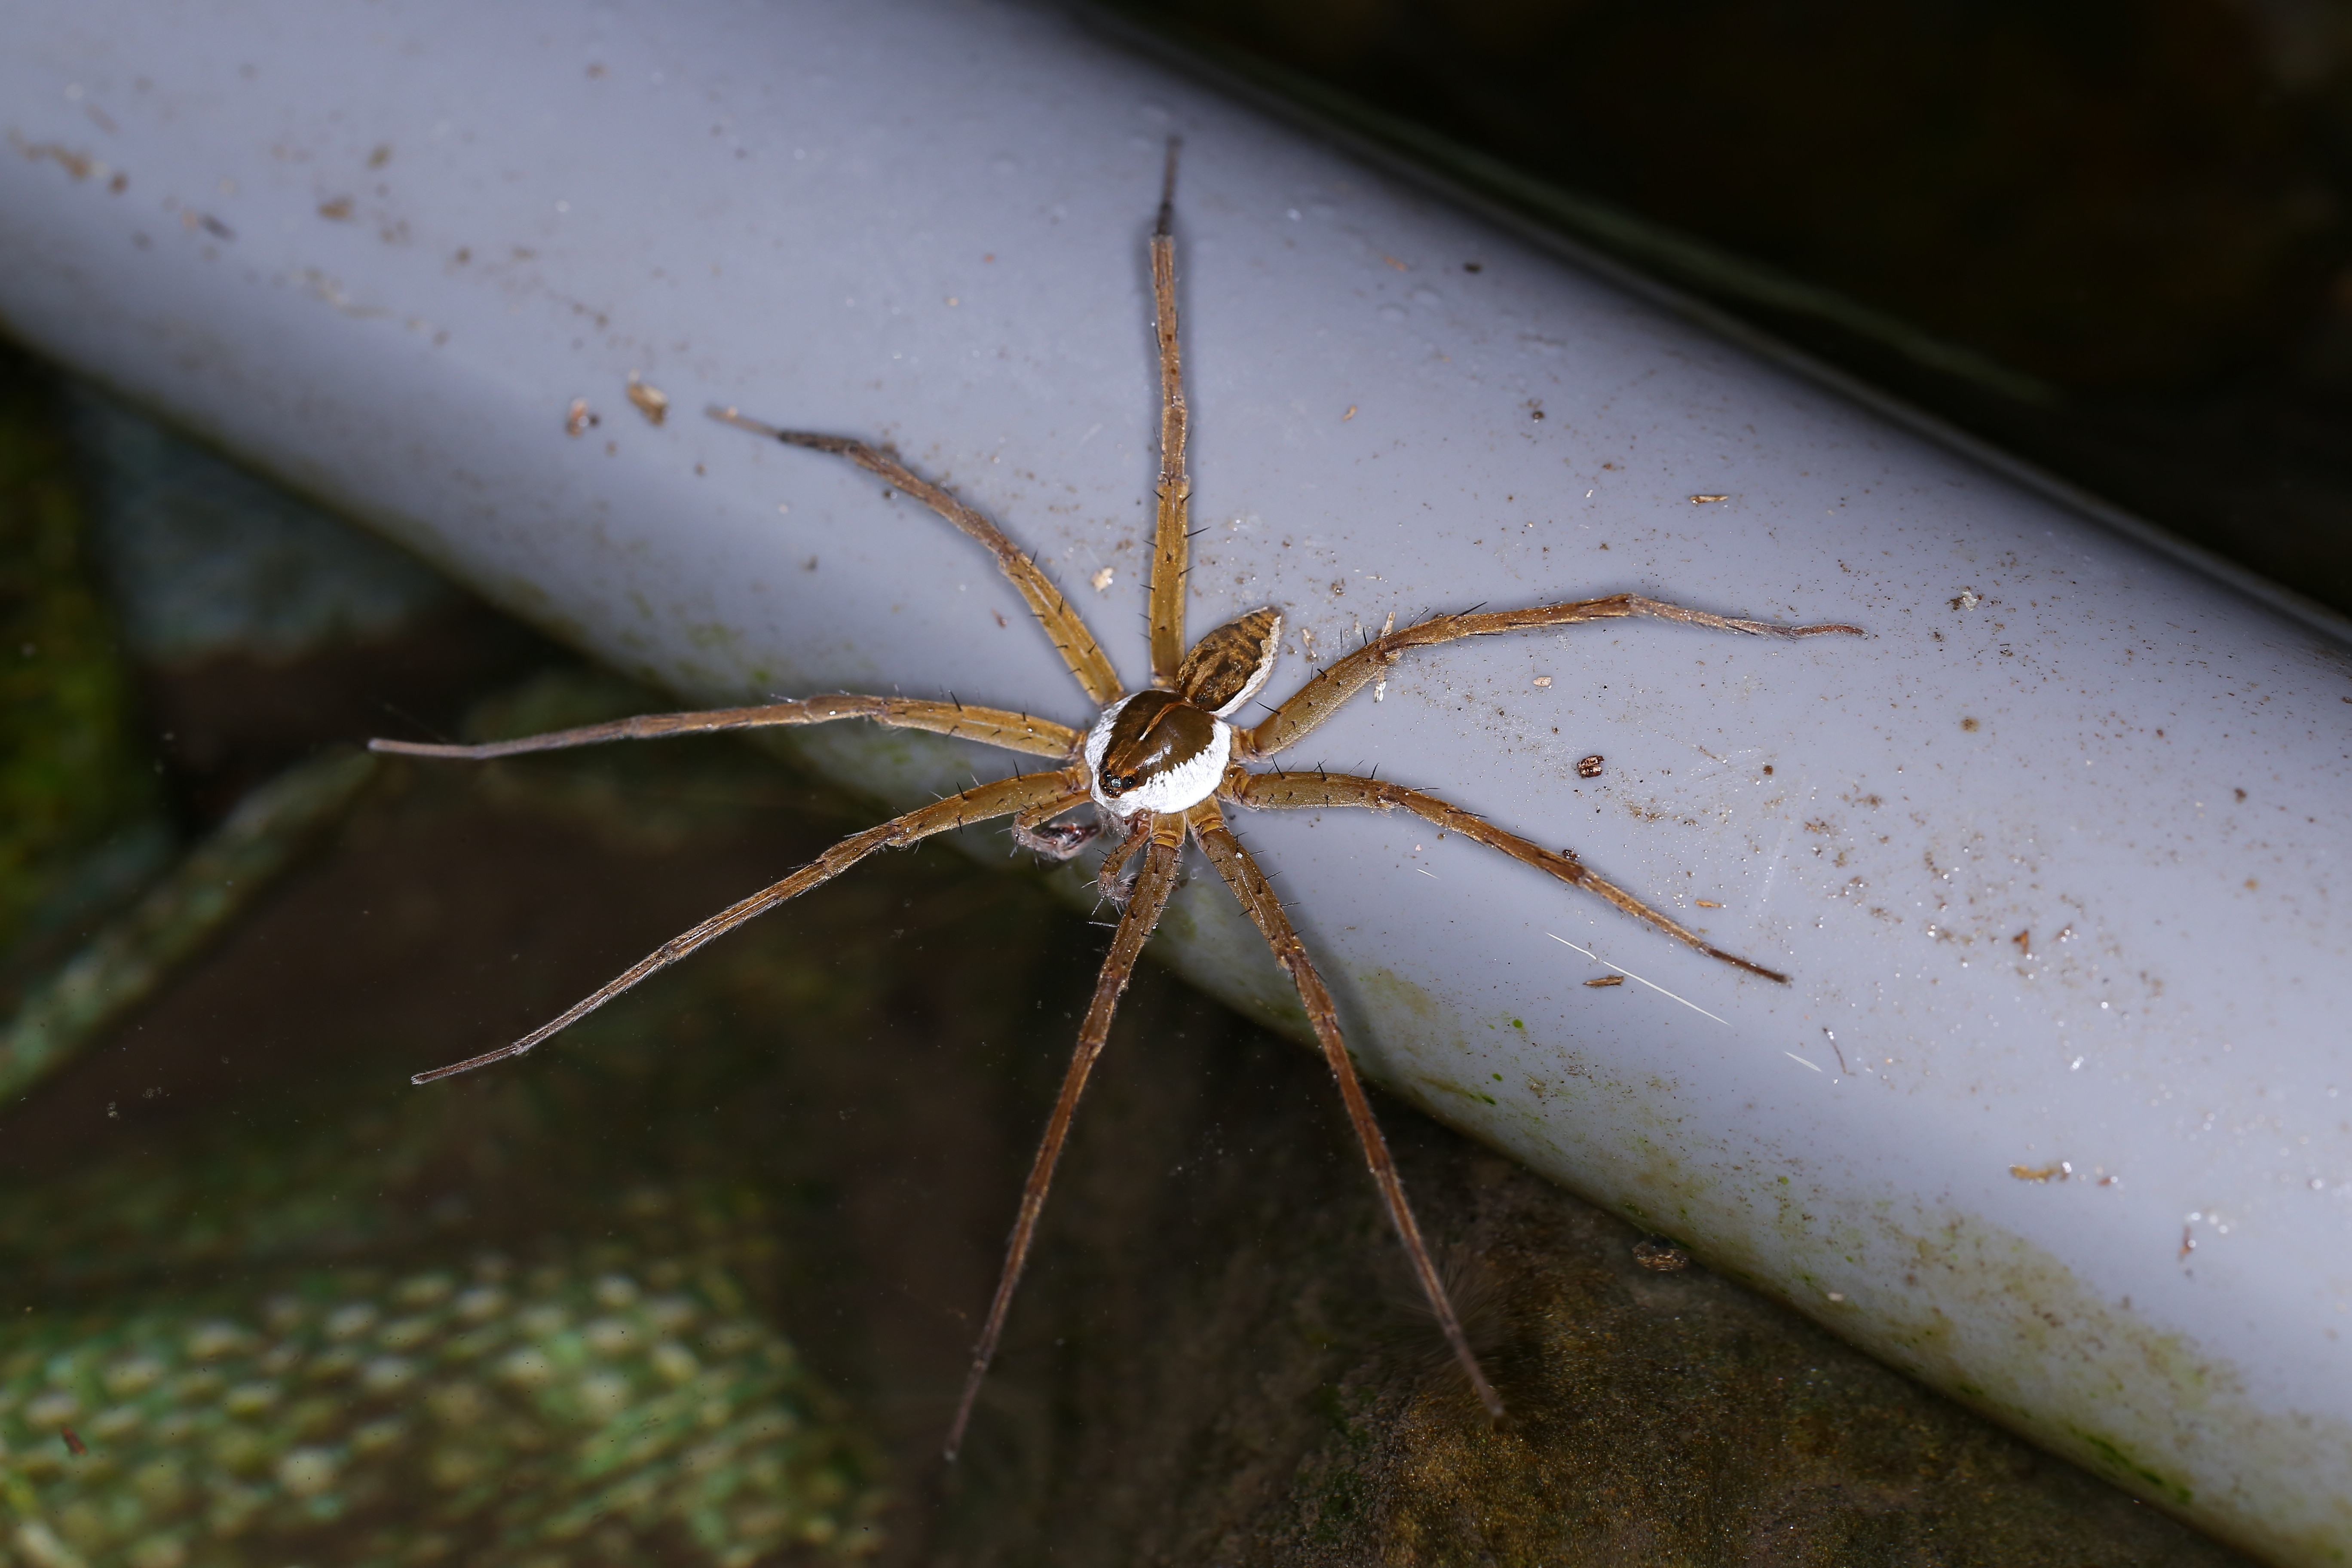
[1056, 841]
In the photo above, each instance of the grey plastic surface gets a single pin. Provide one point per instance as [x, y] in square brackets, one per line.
[2055, 857]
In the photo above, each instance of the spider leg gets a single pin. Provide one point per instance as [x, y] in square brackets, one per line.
[1143, 911]
[1061, 620]
[976, 805]
[1281, 791]
[1256, 896]
[996, 726]
[1115, 888]
[1171, 544]
[1321, 697]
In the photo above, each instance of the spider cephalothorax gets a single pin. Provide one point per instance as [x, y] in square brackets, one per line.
[1166, 750]
[1162, 764]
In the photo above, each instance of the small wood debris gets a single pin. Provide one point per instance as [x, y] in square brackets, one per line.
[579, 420]
[1102, 579]
[2059, 1171]
[650, 401]
[1589, 767]
[1606, 980]
[1542, 680]
[1702, 501]
[1348, 416]
[1707, 903]
[74, 1445]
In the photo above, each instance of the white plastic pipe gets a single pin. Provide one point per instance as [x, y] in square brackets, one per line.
[2055, 1112]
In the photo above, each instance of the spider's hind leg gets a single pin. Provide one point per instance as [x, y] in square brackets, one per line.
[1265, 911]
[1166, 837]
[1318, 790]
[1049, 792]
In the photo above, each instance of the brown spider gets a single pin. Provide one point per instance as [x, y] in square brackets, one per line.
[1157, 765]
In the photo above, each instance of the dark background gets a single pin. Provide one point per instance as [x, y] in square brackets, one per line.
[2134, 215]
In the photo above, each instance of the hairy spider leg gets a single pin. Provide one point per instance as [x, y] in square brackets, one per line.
[1135, 925]
[1257, 898]
[1171, 544]
[997, 726]
[981, 804]
[1063, 624]
[1303, 790]
[1108, 879]
[1321, 697]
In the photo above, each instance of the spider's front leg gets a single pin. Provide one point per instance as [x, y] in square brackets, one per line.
[992, 726]
[1055, 612]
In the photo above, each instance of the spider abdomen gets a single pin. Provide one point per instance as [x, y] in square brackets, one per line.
[1226, 667]
[1155, 751]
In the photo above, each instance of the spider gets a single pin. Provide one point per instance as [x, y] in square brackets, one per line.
[1158, 766]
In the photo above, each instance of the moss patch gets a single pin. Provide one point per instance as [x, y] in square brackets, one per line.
[70, 770]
